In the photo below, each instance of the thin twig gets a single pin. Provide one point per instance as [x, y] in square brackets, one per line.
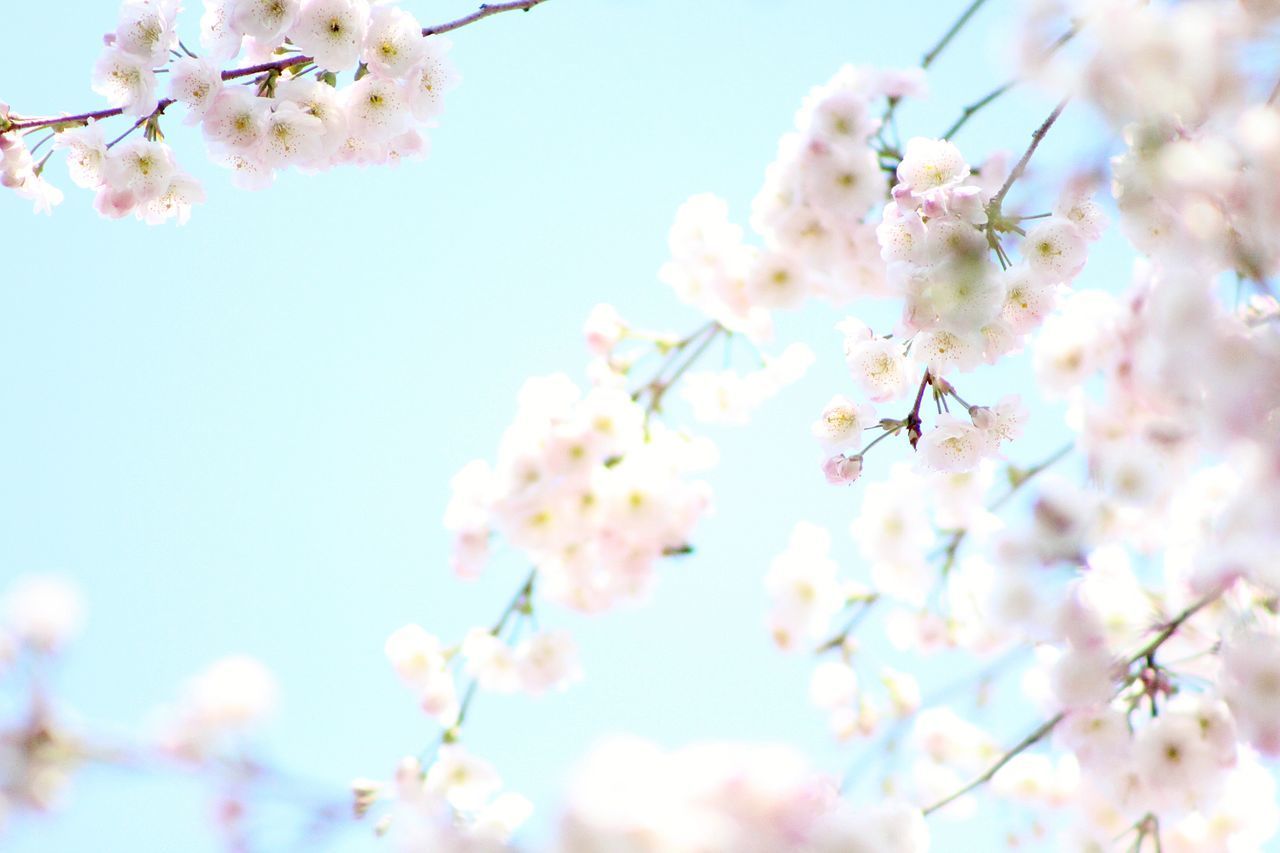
[483, 12]
[658, 387]
[1048, 725]
[932, 54]
[951, 33]
[1026, 743]
[968, 112]
[1036, 137]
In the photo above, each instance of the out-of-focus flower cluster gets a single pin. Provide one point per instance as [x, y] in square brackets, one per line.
[208, 729]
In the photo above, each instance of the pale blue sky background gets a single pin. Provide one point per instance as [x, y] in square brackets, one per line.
[238, 435]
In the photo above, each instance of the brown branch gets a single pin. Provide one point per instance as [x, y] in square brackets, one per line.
[1036, 137]
[484, 11]
[892, 106]
[912, 420]
[969, 111]
[1023, 745]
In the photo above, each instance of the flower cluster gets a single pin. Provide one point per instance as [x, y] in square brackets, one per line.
[289, 112]
[590, 492]
[224, 701]
[811, 215]
[43, 744]
[139, 176]
[21, 173]
[716, 798]
[819, 192]
[959, 308]
[456, 805]
[539, 662]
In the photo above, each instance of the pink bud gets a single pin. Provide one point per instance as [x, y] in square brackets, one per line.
[932, 206]
[982, 417]
[903, 197]
[842, 470]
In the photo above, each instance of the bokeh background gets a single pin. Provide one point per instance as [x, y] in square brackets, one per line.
[237, 435]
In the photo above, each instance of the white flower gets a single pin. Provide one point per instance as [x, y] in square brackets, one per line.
[126, 81]
[248, 172]
[841, 424]
[842, 184]
[141, 167]
[322, 101]
[175, 202]
[491, 662]
[603, 329]
[965, 294]
[776, 280]
[264, 20]
[930, 164]
[236, 119]
[943, 351]
[196, 83]
[467, 782]
[394, 43]
[1077, 342]
[332, 32]
[901, 234]
[376, 108]
[146, 30]
[1251, 686]
[1027, 300]
[1055, 250]
[1082, 677]
[1174, 760]
[43, 611]
[1079, 208]
[290, 135]
[86, 154]
[219, 39]
[547, 660]
[1098, 735]
[803, 588]
[833, 685]
[415, 655]
[427, 83]
[954, 445]
[231, 694]
[878, 365]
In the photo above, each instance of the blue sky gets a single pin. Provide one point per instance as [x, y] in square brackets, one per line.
[237, 436]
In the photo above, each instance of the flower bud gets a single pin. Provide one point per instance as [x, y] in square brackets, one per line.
[842, 470]
[982, 417]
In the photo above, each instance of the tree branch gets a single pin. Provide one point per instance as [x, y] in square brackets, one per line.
[969, 111]
[1036, 137]
[484, 11]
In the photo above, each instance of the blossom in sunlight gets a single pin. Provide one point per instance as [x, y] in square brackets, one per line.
[42, 611]
[841, 424]
[126, 81]
[804, 592]
[332, 31]
[222, 702]
[722, 797]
